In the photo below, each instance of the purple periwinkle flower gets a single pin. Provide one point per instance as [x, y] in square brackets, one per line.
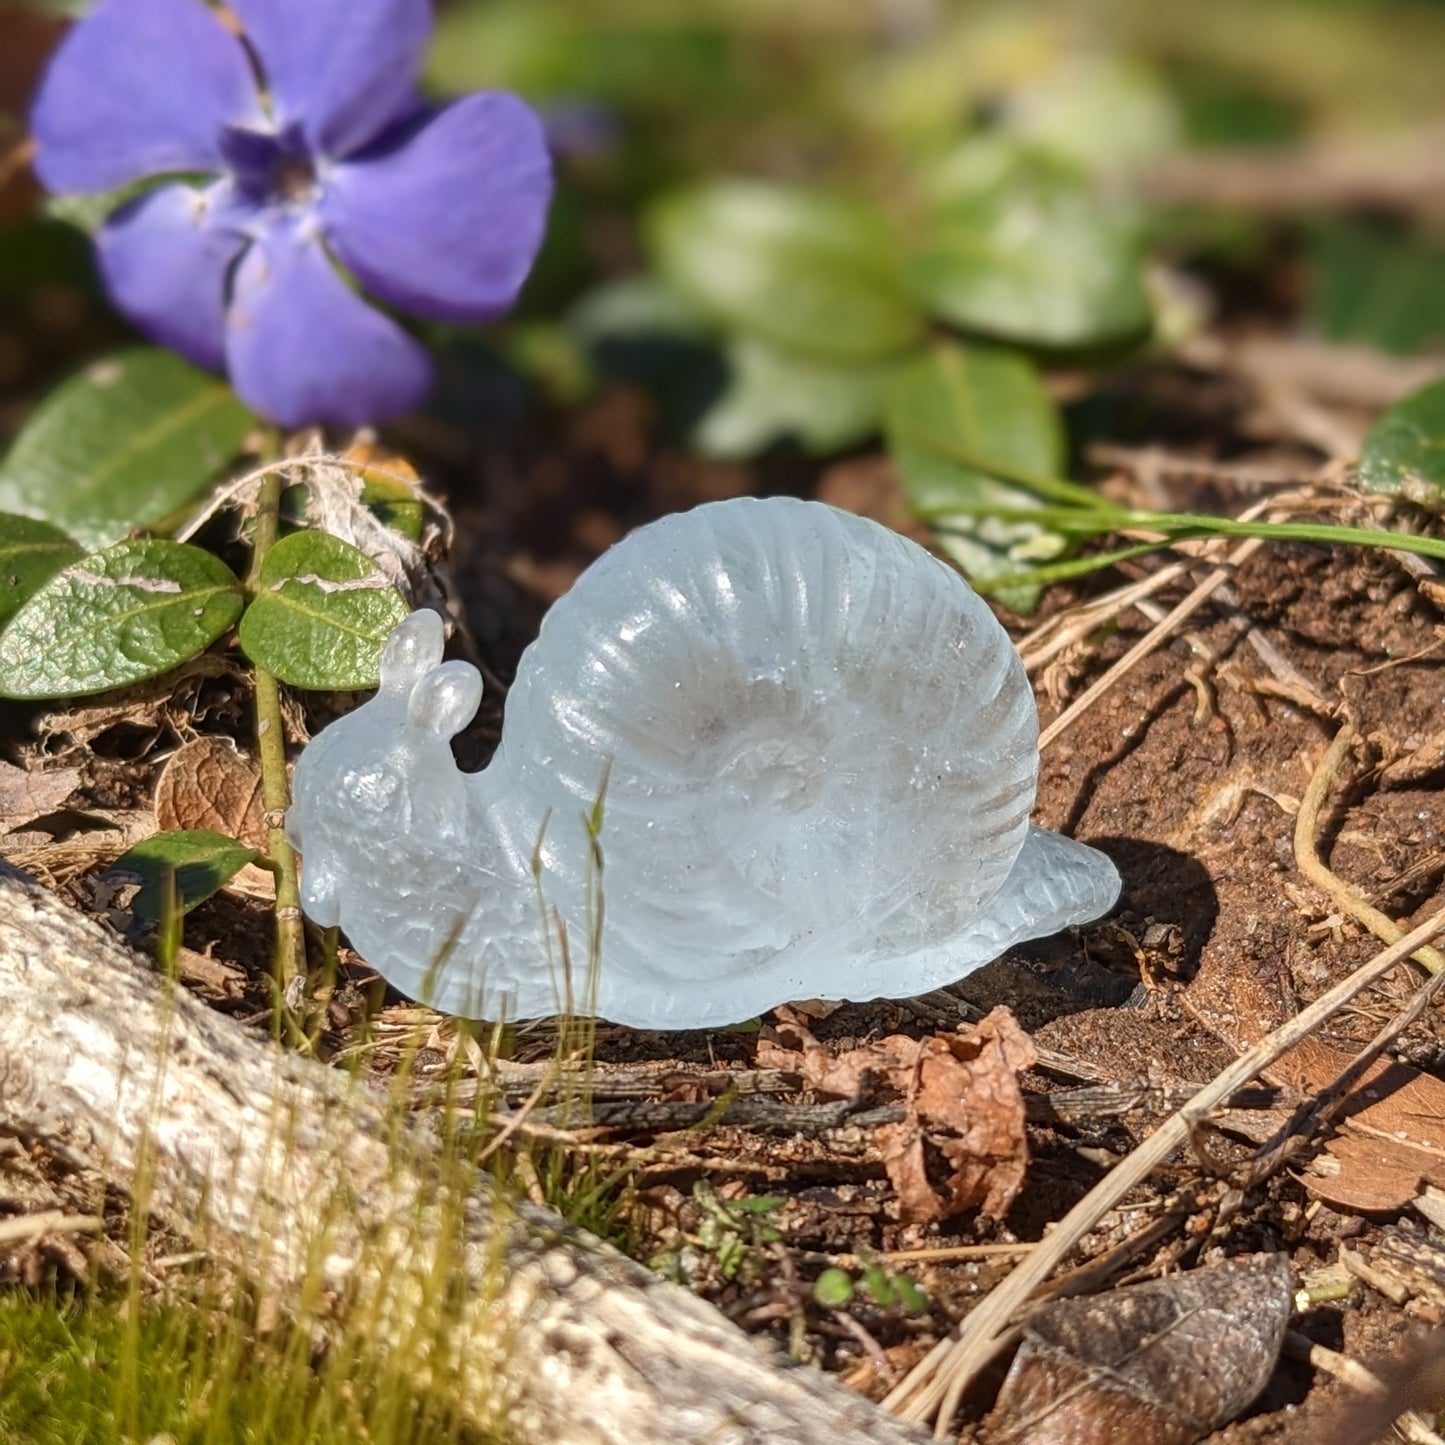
[311, 148]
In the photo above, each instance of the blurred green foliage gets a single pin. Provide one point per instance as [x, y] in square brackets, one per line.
[817, 191]
[814, 223]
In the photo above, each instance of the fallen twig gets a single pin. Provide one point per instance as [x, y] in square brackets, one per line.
[1152, 640]
[27, 1227]
[300, 1179]
[1325, 1106]
[1307, 857]
[1407, 174]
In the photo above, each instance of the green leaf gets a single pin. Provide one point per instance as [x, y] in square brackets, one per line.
[124, 444]
[321, 614]
[642, 332]
[806, 272]
[1226, 107]
[395, 505]
[757, 1204]
[187, 866]
[908, 1294]
[1021, 249]
[833, 1289]
[1404, 454]
[40, 255]
[973, 410]
[1106, 113]
[952, 416]
[630, 306]
[773, 394]
[391, 490]
[876, 1283]
[116, 617]
[1373, 286]
[31, 553]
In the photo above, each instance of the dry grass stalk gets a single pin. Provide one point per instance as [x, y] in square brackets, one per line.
[1344, 897]
[1151, 642]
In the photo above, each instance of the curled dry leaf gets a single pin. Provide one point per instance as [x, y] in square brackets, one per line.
[150, 707]
[961, 1098]
[338, 502]
[210, 784]
[1169, 1361]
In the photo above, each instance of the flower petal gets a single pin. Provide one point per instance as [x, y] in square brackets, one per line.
[164, 260]
[447, 222]
[140, 88]
[340, 69]
[302, 348]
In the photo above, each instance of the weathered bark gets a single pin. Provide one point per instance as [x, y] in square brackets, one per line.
[287, 1169]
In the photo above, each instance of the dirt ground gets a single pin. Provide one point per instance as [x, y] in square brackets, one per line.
[1188, 773]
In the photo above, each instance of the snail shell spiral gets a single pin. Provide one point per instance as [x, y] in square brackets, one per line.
[815, 750]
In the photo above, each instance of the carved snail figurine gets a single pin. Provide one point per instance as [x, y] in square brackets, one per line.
[816, 751]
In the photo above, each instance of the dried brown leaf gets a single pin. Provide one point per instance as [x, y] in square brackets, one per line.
[210, 784]
[1391, 1133]
[852, 1074]
[1391, 1137]
[1370, 1176]
[962, 1098]
[907, 1165]
[25, 796]
[1169, 1361]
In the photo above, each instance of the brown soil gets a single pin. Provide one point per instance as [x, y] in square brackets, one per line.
[1190, 785]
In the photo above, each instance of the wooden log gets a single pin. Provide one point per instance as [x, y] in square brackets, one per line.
[296, 1175]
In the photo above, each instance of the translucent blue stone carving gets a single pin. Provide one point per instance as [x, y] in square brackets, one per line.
[819, 752]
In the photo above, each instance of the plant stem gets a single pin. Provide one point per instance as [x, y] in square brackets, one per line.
[1324, 533]
[1050, 572]
[289, 958]
[1079, 522]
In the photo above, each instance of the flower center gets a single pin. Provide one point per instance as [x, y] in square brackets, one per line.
[293, 177]
[268, 167]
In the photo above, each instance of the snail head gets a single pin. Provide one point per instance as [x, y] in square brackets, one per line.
[380, 786]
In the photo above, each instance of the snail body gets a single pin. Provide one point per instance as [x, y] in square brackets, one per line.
[812, 750]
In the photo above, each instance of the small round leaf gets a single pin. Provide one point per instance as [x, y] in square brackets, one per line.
[322, 611]
[116, 617]
[909, 1296]
[833, 1289]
